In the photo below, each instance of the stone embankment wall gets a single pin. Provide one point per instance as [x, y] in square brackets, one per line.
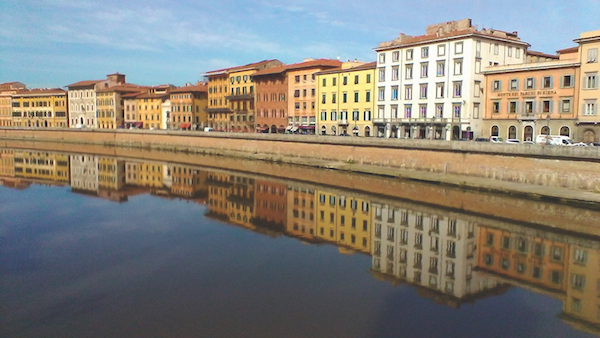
[554, 166]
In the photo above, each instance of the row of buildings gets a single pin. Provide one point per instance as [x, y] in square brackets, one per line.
[454, 82]
[450, 257]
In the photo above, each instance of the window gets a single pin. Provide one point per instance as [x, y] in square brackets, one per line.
[424, 69]
[368, 78]
[355, 115]
[477, 66]
[513, 84]
[334, 81]
[456, 111]
[382, 58]
[441, 50]
[423, 91]
[395, 93]
[458, 47]
[546, 106]
[439, 110]
[395, 73]
[297, 78]
[439, 90]
[409, 54]
[407, 111]
[529, 107]
[589, 107]
[367, 115]
[440, 68]
[581, 256]
[394, 113]
[333, 116]
[345, 80]
[408, 72]
[547, 82]
[324, 82]
[592, 55]
[567, 81]
[475, 110]
[345, 97]
[368, 96]
[577, 281]
[333, 97]
[324, 99]
[355, 79]
[381, 93]
[323, 116]
[395, 56]
[457, 89]
[590, 81]
[423, 111]
[497, 85]
[381, 74]
[530, 83]
[458, 67]
[297, 93]
[565, 105]
[496, 107]
[424, 52]
[496, 49]
[355, 96]
[408, 92]
[512, 107]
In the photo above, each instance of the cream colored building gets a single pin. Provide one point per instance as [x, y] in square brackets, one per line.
[82, 100]
[589, 98]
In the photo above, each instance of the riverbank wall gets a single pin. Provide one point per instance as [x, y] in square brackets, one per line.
[575, 168]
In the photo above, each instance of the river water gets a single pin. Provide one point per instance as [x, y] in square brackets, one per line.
[102, 246]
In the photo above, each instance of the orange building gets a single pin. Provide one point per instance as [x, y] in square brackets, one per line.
[6, 90]
[530, 99]
[231, 96]
[270, 205]
[110, 105]
[188, 107]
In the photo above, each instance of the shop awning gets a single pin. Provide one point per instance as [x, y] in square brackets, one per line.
[262, 129]
[307, 127]
[139, 124]
[293, 130]
[185, 125]
[281, 128]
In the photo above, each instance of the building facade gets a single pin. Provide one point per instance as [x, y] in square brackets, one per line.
[110, 104]
[271, 100]
[530, 99]
[40, 108]
[82, 100]
[231, 96]
[345, 100]
[589, 99]
[7, 89]
[430, 86]
[188, 107]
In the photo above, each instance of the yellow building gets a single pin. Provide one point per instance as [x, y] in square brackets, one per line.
[582, 306]
[7, 89]
[111, 107]
[589, 94]
[301, 213]
[231, 97]
[7, 163]
[40, 108]
[188, 107]
[149, 175]
[149, 109]
[111, 173]
[345, 100]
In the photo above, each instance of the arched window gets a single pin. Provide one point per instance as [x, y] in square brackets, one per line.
[495, 131]
[545, 130]
[512, 132]
[565, 131]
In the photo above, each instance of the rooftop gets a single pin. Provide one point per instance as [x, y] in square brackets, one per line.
[360, 66]
[249, 66]
[86, 83]
[40, 91]
[309, 63]
[199, 87]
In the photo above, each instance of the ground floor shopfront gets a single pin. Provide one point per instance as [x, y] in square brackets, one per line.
[527, 130]
[437, 130]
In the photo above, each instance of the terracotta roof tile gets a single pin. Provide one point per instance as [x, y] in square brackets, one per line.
[188, 89]
[370, 65]
[41, 91]
[568, 50]
[300, 65]
[84, 83]
[231, 69]
[535, 53]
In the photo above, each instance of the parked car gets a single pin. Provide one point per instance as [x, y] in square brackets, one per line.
[482, 139]
[578, 144]
[496, 139]
[513, 141]
[594, 144]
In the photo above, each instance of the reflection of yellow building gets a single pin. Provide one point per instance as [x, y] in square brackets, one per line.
[7, 163]
[231, 199]
[301, 218]
[188, 182]
[111, 173]
[49, 167]
[218, 190]
[40, 108]
[344, 220]
[582, 306]
[150, 175]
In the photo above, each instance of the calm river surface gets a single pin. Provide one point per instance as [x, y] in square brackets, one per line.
[94, 246]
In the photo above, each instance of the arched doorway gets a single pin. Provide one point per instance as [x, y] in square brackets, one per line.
[545, 130]
[37, 123]
[565, 131]
[273, 129]
[512, 132]
[367, 131]
[323, 130]
[355, 131]
[495, 131]
[422, 132]
[394, 132]
[333, 130]
[589, 136]
[81, 121]
[46, 124]
[528, 133]
[455, 132]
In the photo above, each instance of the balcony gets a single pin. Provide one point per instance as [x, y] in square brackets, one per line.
[342, 122]
[240, 97]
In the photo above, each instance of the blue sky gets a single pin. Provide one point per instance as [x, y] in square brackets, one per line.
[52, 43]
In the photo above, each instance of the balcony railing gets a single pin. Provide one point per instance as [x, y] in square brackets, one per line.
[342, 122]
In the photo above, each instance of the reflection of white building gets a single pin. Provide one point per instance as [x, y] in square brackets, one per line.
[167, 176]
[435, 251]
[84, 172]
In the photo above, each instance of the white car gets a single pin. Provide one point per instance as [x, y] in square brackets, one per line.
[512, 141]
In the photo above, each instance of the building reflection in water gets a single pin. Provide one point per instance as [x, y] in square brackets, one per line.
[449, 257]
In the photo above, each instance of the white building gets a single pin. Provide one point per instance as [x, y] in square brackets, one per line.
[82, 100]
[435, 251]
[84, 173]
[431, 86]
